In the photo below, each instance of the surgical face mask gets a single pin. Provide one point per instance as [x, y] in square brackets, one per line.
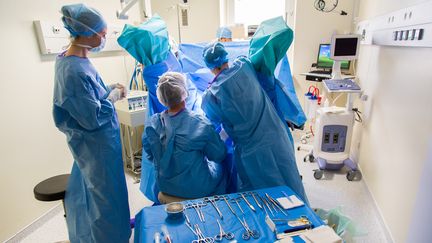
[97, 48]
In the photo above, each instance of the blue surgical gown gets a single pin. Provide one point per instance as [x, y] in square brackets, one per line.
[263, 152]
[187, 154]
[96, 198]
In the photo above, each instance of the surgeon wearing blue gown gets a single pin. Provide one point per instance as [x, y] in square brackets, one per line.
[224, 34]
[262, 149]
[96, 199]
[183, 145]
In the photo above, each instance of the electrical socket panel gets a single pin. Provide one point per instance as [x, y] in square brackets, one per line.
[411, 27]
[53, 38]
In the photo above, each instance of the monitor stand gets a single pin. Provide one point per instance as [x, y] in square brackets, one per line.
[336, 70]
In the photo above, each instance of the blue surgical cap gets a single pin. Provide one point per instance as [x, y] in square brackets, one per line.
[81, 20]
[215, 55]
[224, 32]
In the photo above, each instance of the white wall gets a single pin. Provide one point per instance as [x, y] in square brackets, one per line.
[204, 19]
[31, 147]
[395, 137]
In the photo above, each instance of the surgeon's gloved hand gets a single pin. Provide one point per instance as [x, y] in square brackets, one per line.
[115, 95]
[119, 86]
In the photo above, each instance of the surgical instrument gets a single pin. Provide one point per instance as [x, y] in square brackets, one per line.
[222, 234]
[236, 200]
[213, 202]
[276, 203]
[256, 201]
[227, 203]
[247, 202]
[287, 197]
[197, 207]
[265, 204]
[201, 237]
[248, 231]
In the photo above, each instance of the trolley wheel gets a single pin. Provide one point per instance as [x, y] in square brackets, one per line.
[351, 175]
[359, 175]
[305, 158]
[318, 174]
[298, 148]
[311, 158]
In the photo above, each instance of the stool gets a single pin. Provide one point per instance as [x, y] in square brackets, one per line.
[52, 189]
[165, 198]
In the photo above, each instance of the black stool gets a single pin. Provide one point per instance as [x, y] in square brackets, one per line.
[52, 189]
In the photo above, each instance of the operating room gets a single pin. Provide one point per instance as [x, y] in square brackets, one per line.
[216, 121]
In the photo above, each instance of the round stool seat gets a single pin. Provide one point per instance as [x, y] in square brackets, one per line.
[51, 189]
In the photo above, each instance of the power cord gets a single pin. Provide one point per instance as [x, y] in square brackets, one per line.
[358, 114]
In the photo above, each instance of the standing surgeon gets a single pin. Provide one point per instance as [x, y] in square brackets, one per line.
[263, 151]
[96, 199]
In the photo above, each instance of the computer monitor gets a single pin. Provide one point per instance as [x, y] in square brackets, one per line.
[344, 47]
[324, 61]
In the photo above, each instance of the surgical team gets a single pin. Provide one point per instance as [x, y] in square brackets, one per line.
[193, 154]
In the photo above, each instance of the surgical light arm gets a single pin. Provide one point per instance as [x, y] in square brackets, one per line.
[126, 5]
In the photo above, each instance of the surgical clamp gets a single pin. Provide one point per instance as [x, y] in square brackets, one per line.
[197, 207]
[222, 234]
[247, 202]
[276, 203]
[228, 204]
[213, 202]
[248, 232]
[236, 200]
[201, 237]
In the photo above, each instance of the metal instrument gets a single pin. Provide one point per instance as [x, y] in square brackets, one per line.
[276, 204]
[248, 231]
[222, 234]
[236, 200]
[227, 203]
[201, 237]
[256, 200]
[213, 202]
[197, 207]
[247, 202]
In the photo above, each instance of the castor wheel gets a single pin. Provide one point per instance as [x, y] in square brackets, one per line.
[298, 148]
[311, 158]
[351, 175]
[318, 174]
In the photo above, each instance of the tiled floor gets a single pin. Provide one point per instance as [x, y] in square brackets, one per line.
[330, 192]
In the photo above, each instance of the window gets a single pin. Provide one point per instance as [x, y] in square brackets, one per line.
[253, 12]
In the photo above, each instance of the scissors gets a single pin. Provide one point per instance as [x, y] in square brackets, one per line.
[201, 237]
[248, 232]
[222, 234]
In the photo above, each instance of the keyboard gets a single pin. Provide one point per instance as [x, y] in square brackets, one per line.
[321, 71]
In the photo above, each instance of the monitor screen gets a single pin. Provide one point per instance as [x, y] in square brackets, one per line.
[324, 60]
[345, 47]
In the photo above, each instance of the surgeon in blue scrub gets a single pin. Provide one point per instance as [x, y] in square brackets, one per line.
[224, 34]
[262, 149]
[184, 147]
[96, 199]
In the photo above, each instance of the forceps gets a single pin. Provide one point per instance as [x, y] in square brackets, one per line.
[222, 234]
[201, 237]
[197, 207]
[236, 200]
[248, 232]
[213, 202]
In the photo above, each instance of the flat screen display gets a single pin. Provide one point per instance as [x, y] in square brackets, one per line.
[324, 60]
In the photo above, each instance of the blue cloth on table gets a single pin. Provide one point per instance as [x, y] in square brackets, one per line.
[150, 219]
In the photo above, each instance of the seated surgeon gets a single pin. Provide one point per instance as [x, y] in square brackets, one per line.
[262, 149]
[224, 34]
[184, 147]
